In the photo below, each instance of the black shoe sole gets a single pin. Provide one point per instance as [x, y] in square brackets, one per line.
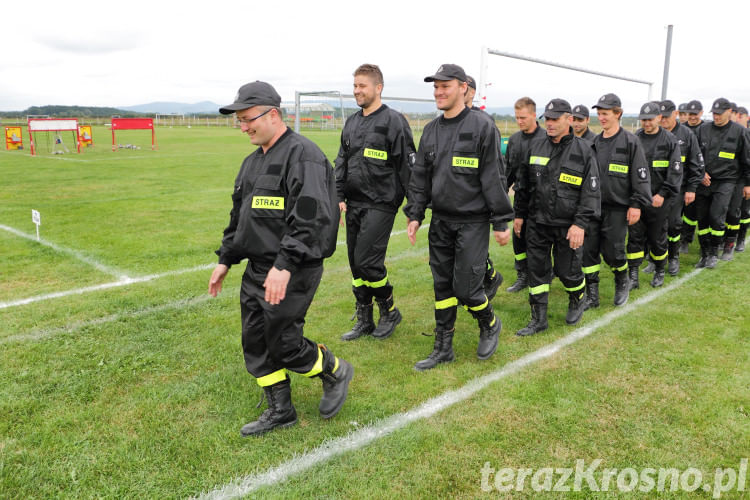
[265, 431]
[436, 365]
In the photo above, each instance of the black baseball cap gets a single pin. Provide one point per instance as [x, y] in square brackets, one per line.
[556, 107]
[580, 111]
[608, 101]
[256, 93]
[694, 106]
[721, 105]
[649, 110]
[734, 106]
[472, 83]
[683, 107]
[448, 72]
[667, 108]
[742, 110]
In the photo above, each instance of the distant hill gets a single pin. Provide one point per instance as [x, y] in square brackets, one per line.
[181, 108]
[57, 111]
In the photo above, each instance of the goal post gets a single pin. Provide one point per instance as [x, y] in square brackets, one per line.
[53, 125]
[133, 124]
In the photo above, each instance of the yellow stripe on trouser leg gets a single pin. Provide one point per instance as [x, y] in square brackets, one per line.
[623, 267]
[659, 257]
[271, 378]
[446, 303]
[539, 289]
[479, 307]
[358, 282]
[635, 255]
[592, 269]
[318, 367]
[575, 288]
[377, 284]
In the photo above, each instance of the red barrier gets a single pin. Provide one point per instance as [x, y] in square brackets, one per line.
[133, 124]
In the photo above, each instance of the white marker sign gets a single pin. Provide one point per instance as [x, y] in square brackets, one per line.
[36, 218]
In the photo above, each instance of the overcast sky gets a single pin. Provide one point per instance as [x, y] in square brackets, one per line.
[128, 53]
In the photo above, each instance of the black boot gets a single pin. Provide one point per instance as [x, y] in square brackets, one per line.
[364, 324]
[633, 275]
[741, 239]
[713, 257]
[336, 375]
[650, 267]
[489, 331]
[389, 318]
[592, 295]
[674, 266]
[728, 253]
[538, 321]
[491, 284]
[280, 412]
[704, 258]
[442, 352]
[622, 287]
[522, 281]
[576, 306]
[658, 279]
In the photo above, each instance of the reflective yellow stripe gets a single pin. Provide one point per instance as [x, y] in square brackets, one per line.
[376, 154]
[318, 367]
[674, 239]
[575, 288]
[377, 284]
[682, 159]
[623, 267]
[732, 226]
[703, 232]
[744, 221]
[658, 257]
[539, 289]
[459, 161]
[446, 303]
[271, 378]
[716, 233]
[689, 222]
[538, 160]
[479, 307]
[520, 256]
[620, 169]
[636, 255]
[358, 282]
[571, 179]
[592, 269]
[726, 154]
[660, 163]
[268, 202]
[335, 364]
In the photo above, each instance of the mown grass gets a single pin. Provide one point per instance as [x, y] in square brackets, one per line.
[139, 391]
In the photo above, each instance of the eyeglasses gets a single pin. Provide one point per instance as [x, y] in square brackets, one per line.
[251, 120]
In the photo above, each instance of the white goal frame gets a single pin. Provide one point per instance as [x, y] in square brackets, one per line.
[53, 125]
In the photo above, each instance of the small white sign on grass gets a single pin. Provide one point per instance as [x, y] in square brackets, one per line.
[36, 218]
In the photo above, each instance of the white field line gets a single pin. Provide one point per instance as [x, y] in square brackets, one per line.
[69, 251]
[378, 430]
[103, 286]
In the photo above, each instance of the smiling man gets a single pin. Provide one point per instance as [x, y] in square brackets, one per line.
[458, 173]
[372, 176]
[284, 221]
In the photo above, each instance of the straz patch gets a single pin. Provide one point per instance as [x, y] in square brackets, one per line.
[660, 163]
[571, 179]
[268, 202]
[620, 169]
[375, 154]
[459, 161]
[538, 160]
[726, 154]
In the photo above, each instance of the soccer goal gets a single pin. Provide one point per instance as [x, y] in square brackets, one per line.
[52, 130]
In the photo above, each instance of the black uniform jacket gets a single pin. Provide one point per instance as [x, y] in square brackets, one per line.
[284, 207]
[374, 161]
[726, 151]
[518, 146]
[626, 180]
[691, 158]
[458, 171]
[558, 183]
[663, 157]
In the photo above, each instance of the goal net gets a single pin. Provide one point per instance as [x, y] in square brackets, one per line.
[50, 132]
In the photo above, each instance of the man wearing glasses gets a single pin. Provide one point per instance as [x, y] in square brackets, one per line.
[284, 220]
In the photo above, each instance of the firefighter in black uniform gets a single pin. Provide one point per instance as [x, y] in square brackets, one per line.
[726, 150]
[284, 220]
[458, 172]
[372, 175]
[625, 191]
[663, 158]
[694, 111]
[692, 173]
[515, 153]
[557, 196]
[492, 277]
[581, 121]
[682, 110]
[738, 207]
[745, 210]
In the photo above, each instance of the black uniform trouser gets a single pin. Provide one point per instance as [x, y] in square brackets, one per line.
[734, 212]
[744, 216]
[651, 229]
[542, 239]
[711, 206]
[606, 236]
[674, 224]
[519, 249]
[690, 221]
[272, 337]
[458, 260]
[368, 231]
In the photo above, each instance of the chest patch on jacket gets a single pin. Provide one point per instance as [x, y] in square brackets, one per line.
[538, 160]
[620, 169]
[375, 154]
[727, 155]
[459, 161]
[571, 179]
[268, 202]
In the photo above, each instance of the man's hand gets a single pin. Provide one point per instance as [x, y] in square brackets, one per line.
[657, 200]
[275, 285]
[689, 197]
[706, 180]
[342, 209]
[517, 225]
[411, 231]
[746, 192]
[575, 236]
[633, 216]
[217, 278]
[502, 237]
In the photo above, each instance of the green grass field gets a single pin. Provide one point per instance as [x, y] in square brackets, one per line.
[139, 390]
